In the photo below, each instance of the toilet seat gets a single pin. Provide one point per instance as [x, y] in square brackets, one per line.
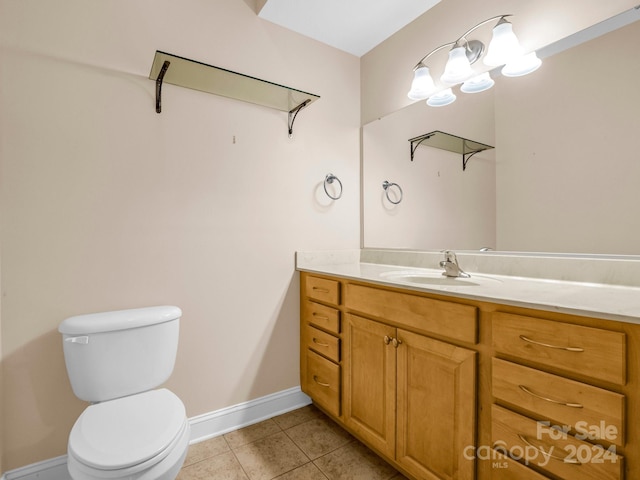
[129, 433]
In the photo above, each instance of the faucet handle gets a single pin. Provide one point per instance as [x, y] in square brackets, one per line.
[450, 256]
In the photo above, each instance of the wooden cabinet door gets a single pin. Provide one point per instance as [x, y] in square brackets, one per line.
[369, 382]
[436, 420]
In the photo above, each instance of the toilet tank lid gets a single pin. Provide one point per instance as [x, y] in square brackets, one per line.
[118, 320]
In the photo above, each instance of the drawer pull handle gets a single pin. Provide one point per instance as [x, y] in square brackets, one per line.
[319, 343]
[548, 345]
[565, 459]
[315, 379]
[319, 317]
[321, 290]
[550, 400]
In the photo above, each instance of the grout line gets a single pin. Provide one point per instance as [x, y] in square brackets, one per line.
[320, 469]
[281, 431]
[246, 474]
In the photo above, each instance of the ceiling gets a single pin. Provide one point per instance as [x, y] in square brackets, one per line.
[355, 26]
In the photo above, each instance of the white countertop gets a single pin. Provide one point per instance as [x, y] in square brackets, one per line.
[599, 300]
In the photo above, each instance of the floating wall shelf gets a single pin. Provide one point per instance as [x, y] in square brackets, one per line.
[207, 78]
[452, 143]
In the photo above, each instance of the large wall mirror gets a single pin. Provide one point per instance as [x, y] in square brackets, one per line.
[564, 175]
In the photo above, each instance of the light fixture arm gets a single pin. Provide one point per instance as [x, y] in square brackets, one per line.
[463, 36]
[419, 64]
[501, 17]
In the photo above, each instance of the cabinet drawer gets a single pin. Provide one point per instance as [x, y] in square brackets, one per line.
[422, 314]
[504, 468]
[323, 343]
[593, 352]
[322, 289]
[323, 382]
[561, 401]
[321, 316]
[564, 455]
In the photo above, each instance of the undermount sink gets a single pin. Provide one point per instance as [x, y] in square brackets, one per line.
[421, 277]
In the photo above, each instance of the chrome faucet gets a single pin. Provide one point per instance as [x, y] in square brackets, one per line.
[451, 267]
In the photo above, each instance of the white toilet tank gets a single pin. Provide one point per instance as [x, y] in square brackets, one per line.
[114, 354]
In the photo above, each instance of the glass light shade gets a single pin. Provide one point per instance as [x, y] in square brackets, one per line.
[504, 45]
[422, 85]
[477, 84]
[458, 68]
[522, 65]
[442, 98]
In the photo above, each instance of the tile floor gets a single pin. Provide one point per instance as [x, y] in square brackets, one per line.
[300, 445]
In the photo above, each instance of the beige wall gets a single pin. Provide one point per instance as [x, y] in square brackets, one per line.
[567, 168]
[386, 71]
[108, 205]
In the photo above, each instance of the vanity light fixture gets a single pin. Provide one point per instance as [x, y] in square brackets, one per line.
[477, 84]
[442, 98]
[504, 49]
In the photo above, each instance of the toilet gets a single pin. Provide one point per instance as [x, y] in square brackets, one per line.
[132, 430]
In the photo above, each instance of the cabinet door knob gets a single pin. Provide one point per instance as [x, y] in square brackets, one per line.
[396, 342]
[387, 339]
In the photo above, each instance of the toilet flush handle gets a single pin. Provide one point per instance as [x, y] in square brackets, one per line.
[83, 339]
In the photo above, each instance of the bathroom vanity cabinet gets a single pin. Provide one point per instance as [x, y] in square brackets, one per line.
[445, 387]
[404, 392]
[321, 343]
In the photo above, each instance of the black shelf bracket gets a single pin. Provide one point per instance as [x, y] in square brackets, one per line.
[159, 81]
[466, 157]
[294, 113]
[415, 142]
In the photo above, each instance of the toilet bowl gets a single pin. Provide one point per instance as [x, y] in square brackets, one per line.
[132, 430]
[140, 437]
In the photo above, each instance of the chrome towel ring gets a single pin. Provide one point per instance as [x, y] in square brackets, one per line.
[329, 180]
[387, 185]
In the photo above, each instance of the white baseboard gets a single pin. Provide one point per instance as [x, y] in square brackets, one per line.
[52, 469]
[203, 427]
[228, 419]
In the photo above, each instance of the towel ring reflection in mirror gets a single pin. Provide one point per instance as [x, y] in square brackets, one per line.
[328, 180]
[387, 186]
